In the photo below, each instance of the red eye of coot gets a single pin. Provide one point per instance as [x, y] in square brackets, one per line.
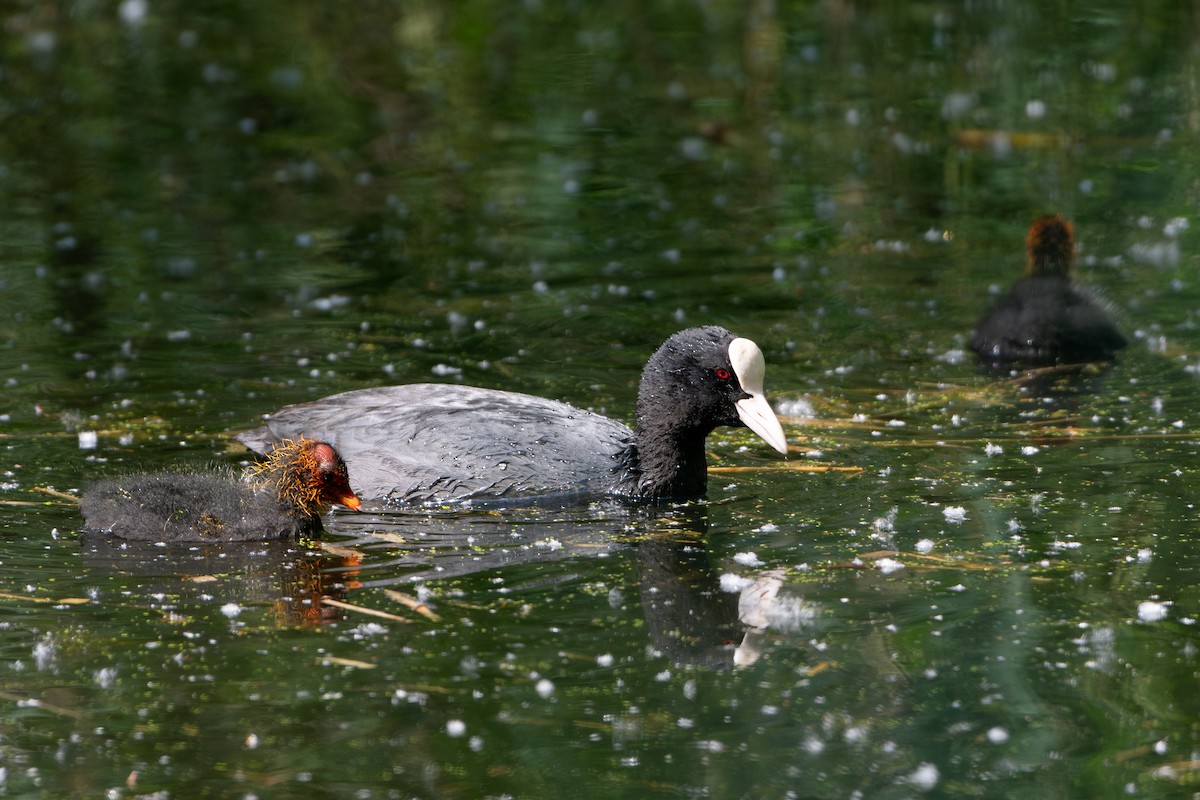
[722, 373]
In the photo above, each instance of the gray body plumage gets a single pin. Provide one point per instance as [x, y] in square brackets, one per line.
[188, 507]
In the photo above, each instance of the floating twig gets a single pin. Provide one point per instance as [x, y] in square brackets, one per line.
[56, 493]
[71, 601]
[329, 601]
[414, 604]
[35, 703]
[347, 662]
[788, 466]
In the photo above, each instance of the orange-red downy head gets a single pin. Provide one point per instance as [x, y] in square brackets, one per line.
[333, 477]
[1050, 245]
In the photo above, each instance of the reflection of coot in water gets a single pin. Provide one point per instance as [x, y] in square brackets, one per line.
[281, 497]
[689, 618]
[698, 615]
[1045, 318]
[429, 443]
[290, 579]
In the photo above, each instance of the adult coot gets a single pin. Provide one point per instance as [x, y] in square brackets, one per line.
[436, 443]
[283, 496]
[1046, 318]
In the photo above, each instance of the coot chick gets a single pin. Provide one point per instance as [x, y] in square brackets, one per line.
[438, 443]
[281, 497]
[1046, 318]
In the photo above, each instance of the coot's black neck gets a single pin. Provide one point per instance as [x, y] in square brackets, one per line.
[669, 463]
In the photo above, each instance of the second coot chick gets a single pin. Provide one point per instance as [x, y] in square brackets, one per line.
[282, 497]
[435, 443]
[1045, 318]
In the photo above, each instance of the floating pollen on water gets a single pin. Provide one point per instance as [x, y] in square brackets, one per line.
[1151, 611]
[888, 565]
[748, 559]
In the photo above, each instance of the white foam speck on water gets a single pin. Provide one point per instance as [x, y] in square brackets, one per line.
[748, 559]
[1151, 611]
[88, 440]
[545, 688]
[456, 728]
[43, 653]
[992, 449]
[1158, 254]
[925, 777]
[604, 660]
[1030, 450]
[886, 523]
[954, 513]
[734, 583]
[367, 629]
[133, 12]
[106, 677]
[1176, 226]
[330, 303]
[997, 735]
[953, 356]
[924, 546]
[231, 610]
[795, 407]
[888, 565]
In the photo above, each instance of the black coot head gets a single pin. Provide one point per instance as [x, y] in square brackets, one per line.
[703, 378]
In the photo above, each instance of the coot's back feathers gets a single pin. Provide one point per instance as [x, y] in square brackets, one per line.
[1045, 318]
[433, 443]
[427, 442]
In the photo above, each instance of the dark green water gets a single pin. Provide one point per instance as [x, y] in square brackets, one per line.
[984, 587]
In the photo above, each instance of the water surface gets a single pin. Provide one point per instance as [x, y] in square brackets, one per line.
[957, 584]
